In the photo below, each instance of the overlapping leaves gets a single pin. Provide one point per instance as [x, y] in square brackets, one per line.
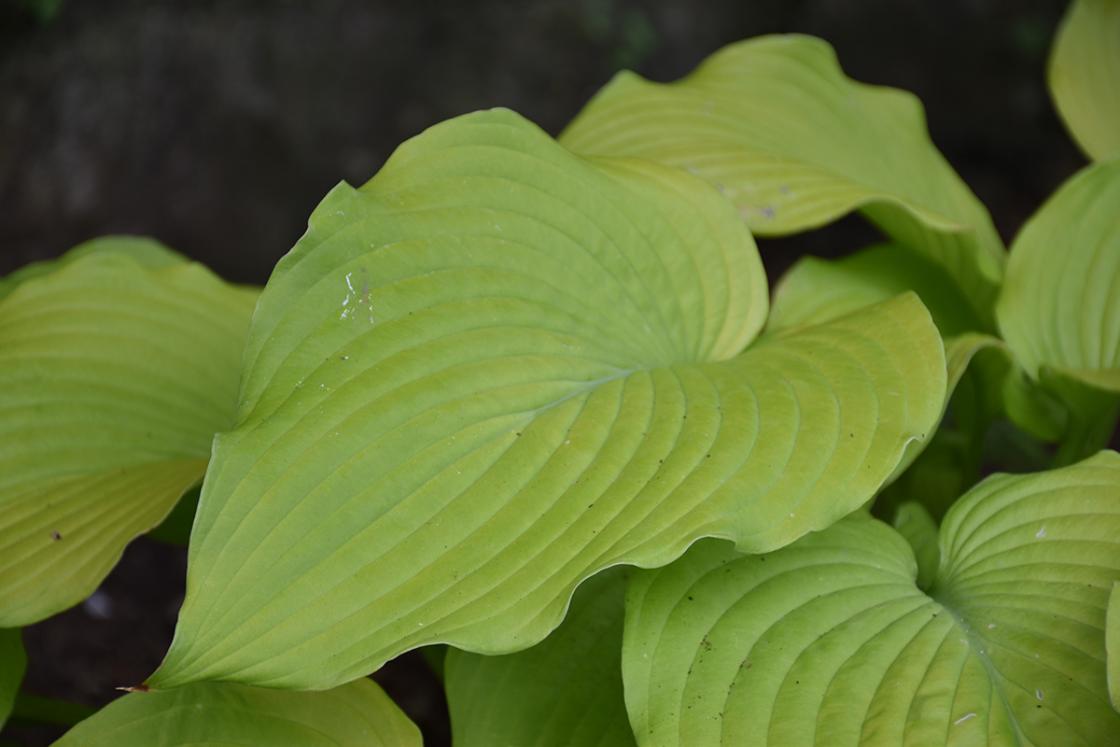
[829, 641]
[499, 368]
[777, 127]
[117, 365]
[814, 291]
[566, 690]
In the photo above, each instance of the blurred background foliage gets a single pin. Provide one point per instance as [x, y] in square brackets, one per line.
[217, 126]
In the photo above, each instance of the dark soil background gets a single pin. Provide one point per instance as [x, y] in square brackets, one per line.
[217, 126]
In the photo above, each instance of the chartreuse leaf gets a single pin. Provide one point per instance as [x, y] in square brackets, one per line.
[116, 369]
[817, 290]
[777, 126]
[1084, 70]
[497, 369]
[147, 253]
[1060, 304]
[566, 690]
[1112, 645]
[814, 291]
[212, 714]
[915, 524]
[13, 663]
[829, 641]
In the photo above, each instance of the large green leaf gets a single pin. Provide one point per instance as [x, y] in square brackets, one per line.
[210, 714]
[116, 369]
[829, 641]
[566, 690]
[499, 368]
[794, 143]
[1060, 304]
[13, 663]
[1084, 75]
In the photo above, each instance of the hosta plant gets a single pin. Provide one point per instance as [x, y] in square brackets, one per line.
[528, 403]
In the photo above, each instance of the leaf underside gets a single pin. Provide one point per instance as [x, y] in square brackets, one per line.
[775, 124]
[211, 714]
[116, 368]
[829, 641]
[499, 368]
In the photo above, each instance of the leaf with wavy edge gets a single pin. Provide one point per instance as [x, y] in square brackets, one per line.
[116, 369]
[566, 690]
[497, 369]
[1060, 304]
[829, 641]
[211, 714]
[145, 251]
[13, 663]
[815, 291]
[1083, 72]
[795, 144]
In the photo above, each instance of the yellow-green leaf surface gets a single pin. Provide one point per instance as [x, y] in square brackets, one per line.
[830, 642]
[566, 690]
[13, 663]
[1085, 75]
[915, 524]
[1112, 644]
[497, 369]
[815, 291]
[116, 369]
[776, 125]
[213, 714]
[147, 253]
[1060, 304]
